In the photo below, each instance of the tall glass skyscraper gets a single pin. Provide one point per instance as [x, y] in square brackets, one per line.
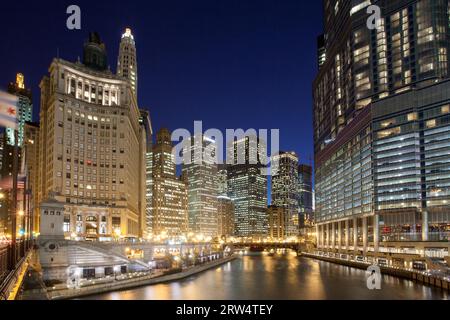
[285, 191]
[379, 108]
[201, 178]
[247, 187]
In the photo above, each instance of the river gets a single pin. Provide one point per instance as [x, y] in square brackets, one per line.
[287, 277]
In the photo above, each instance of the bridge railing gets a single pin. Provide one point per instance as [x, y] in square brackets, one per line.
[10, 255]
[4, 261]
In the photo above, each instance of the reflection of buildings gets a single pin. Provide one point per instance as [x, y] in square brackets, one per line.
[169, 209]
[89, 147]
[277, 222]
[381, 134]
[285, 190]
[247, 187]
[201, 179]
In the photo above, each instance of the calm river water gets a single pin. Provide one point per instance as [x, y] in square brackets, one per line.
[287, 277]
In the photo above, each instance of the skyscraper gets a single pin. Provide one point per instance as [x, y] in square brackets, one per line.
[277, 222]
[247, 187]
[225, 216]
[379, 108]
[285, 190]
[305, 193]
[222, 180]
[127, 61]
[30, 169]
[201, 179]
[169, 206]
[24, 108]
[147, 126]
[90, 147]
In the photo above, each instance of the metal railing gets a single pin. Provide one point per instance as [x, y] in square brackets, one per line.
[10, 255]
[4, 261]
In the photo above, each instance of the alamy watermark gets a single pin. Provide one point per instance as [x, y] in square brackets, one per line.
[373, 275]
[374, 20]
[241, 147]
[73, 22]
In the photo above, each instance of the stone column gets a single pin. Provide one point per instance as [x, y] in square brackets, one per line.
[376, 233]
[347, 234]
[339, 235]
[424, 226]
[355, 234]
[328, 236]
[318, 236]
[333, 235]
[322, 236]
[364, 226]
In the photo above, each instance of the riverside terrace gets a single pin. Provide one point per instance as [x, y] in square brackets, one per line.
[60, 259]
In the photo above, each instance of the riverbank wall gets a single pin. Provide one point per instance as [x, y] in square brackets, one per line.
[399, 273]
[65, 294]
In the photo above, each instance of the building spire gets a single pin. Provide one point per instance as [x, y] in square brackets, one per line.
[127, 61]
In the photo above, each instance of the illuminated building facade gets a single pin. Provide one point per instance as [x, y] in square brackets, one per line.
[412, 166]
[222, 180]
[306, 195]
[30, 169]
[225, 215]
[285, 190]
[90, 145]
[148, 165]
[377, 173]
[201, 179]
[277, 222]
[24, 108]
[127, 61]
[169, 207]
[247, 187]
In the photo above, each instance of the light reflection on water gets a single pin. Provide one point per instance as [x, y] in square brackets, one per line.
[279, 277]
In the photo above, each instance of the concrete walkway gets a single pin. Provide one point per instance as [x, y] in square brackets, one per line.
[64, 294]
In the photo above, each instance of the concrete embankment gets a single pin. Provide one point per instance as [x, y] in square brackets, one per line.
[400, 273]
[133, 283]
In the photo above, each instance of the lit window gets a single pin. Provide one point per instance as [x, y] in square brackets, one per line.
[431, 123]
[412, 116]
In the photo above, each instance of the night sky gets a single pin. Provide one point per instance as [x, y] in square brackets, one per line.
[230, 63]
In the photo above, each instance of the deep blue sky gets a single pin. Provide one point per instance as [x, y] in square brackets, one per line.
[231, 63]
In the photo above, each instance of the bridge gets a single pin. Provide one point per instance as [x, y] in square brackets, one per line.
[58, 258]
[14, 260]
[267, 246]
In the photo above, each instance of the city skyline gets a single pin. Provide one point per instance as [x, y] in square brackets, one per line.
[226, 150]
[166, 66]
